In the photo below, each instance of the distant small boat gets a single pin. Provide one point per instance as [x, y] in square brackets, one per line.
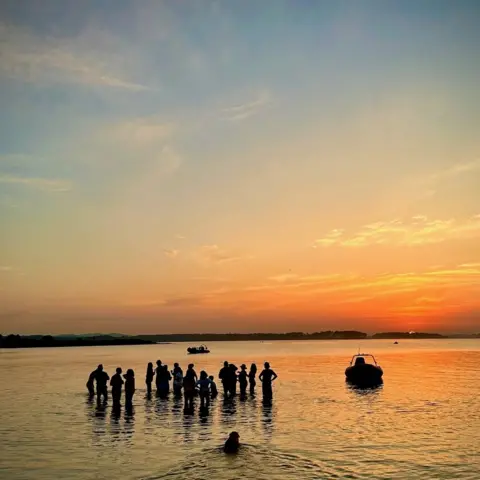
[361, 373]
[200, 349]
[395, 343]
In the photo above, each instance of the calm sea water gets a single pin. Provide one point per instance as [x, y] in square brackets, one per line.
[424, 422]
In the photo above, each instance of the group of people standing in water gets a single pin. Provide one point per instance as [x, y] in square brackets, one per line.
[189, 382]
[116, 382]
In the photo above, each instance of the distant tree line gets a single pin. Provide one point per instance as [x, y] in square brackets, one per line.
[407, 335]
[30, 341]
[227, 337]
[17, 341]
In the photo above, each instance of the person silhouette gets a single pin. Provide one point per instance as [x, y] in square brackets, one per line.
[158, 371]
[204, 387]
[116, 383]
[232, 444]
[149, 377]
[89, 385]
[267, 377]
[232, 379]
[101, 378]
[189, 382]
[242, 379]
[223, 375]
[129, 388]
[177, 374]
[213, 387]
[163, 379]
[251, 378]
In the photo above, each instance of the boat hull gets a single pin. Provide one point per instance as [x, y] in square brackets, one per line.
[366, 374]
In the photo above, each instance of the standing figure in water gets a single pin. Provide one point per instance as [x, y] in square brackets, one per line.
[101, 378]
[242, 380]
[149, 377]
[232, 379]
[251, 378]
[213, 388]
[129, 388]
[116, 383]
[204, 389]
[267, 377]
[189, 382]
[163, 381]
[223, 375]
[90, 388]
[177, 374]
[158, 374]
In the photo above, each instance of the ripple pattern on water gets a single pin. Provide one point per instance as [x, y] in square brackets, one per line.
[423, 422]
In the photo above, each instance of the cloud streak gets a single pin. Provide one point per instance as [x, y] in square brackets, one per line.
[44, 184]
[248, 109]
[418, 230]
[37, 59]
[213, 254]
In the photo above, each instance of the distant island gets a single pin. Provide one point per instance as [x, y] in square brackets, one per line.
[38, 341]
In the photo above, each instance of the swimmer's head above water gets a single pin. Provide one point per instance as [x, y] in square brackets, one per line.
[232, 444]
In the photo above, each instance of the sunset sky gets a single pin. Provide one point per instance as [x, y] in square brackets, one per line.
[242, 166]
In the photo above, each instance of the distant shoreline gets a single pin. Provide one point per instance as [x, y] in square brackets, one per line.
[45, 341]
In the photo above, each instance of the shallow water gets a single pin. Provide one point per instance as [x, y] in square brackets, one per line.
[424, 422]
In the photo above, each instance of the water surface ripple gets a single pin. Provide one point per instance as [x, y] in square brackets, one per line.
[424, 422]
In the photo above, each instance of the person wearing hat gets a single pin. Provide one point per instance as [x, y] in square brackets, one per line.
[242, 379]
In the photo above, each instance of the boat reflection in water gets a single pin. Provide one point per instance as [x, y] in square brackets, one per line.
[362, 374]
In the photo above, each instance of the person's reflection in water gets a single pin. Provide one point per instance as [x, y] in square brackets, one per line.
[187, 428]
[268, 415]
[229, 410]
[129, 423]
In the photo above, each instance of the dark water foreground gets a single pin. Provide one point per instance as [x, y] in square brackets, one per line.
[424, 422]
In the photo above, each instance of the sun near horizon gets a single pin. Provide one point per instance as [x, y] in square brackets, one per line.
[170, 167]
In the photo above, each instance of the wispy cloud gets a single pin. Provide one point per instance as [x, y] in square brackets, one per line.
[248, 109]
[171, 253]
[215, 254]
[180, 237]
[454, 170]
[44, 184]
[418, 230]
[36, 59]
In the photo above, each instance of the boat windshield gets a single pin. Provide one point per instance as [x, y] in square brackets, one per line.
[359, 359]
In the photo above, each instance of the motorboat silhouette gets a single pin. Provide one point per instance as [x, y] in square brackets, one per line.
[200, 349]
[362, 373]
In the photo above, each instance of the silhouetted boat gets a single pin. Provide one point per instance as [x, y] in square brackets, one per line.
[395, 343]
[200, 349]
[361, 373]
